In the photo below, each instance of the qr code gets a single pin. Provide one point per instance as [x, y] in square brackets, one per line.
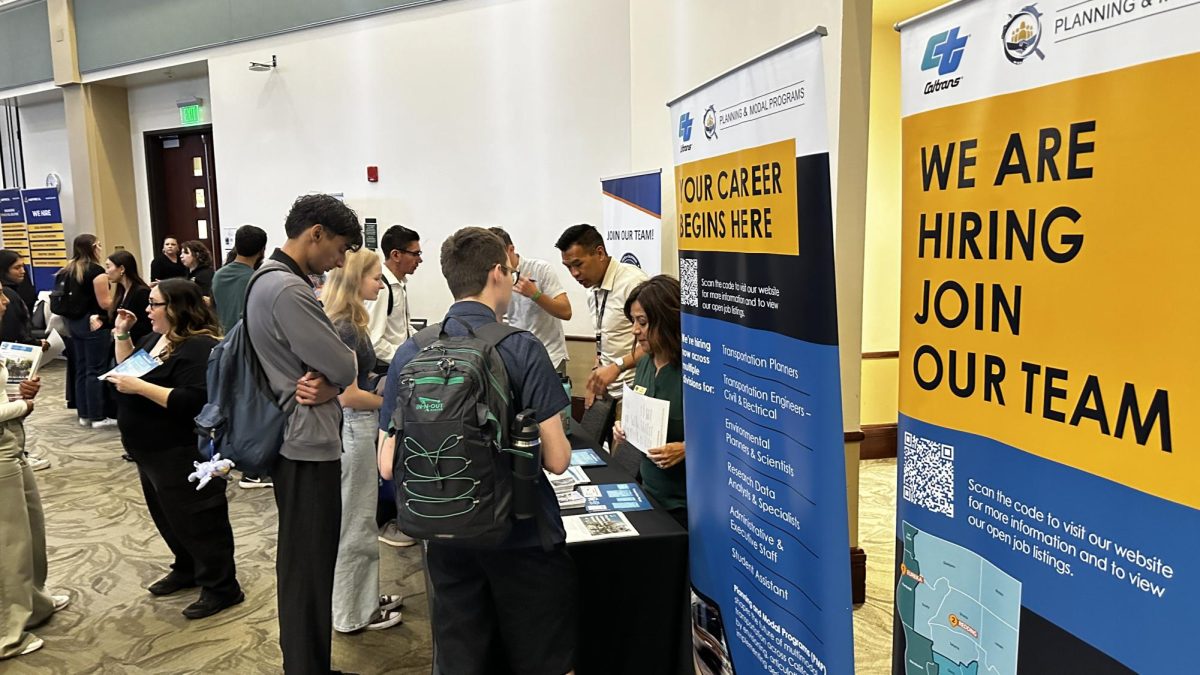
[929, 474]
[689, 272]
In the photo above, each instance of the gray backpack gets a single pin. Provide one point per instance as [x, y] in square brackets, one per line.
[452, 471]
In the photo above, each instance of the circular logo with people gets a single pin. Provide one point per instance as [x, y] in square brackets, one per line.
[631, 259]
[1021, 35]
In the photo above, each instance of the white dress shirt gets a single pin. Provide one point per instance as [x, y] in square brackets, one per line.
[607, 305]
[389, 331]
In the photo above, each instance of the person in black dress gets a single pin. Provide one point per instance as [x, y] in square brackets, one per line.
[131, 293]
[156, 415]
[166, 264]
[198, 259]
[17, 324]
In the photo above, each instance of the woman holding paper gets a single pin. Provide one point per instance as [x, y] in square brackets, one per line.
[653, 309]
[157, 405]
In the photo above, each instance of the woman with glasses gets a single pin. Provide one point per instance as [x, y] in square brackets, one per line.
[156, 414]
[85, 300]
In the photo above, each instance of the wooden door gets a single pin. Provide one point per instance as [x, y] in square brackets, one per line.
[182, 184]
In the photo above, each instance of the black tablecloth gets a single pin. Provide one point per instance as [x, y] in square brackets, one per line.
[634, 593]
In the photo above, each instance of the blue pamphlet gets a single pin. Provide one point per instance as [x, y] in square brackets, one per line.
[137, 365]
[615, 497]
[586, 457]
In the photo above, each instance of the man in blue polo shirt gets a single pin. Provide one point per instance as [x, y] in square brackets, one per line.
[523, 593]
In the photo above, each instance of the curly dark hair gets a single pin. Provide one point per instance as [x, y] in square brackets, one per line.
[200, 252]
[327, 211]
[187, 312]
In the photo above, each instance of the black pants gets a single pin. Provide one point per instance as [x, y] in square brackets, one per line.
[194, 524]
[309, 498]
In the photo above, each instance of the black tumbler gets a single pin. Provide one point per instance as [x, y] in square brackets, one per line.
[527, 463]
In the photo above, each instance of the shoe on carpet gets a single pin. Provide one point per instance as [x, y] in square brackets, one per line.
[388, 602]
[251, 482]
[37, 463]
[35, 644]
[60, 602]
[169, 584]
[84, 422]
[392, 536]
[209, 606]
[386, 619]
[127, 457]
[104, 423]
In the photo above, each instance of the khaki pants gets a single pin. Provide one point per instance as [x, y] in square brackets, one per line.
[23, 599]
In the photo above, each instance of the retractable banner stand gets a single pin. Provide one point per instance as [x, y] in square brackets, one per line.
[1049, 482]
[762, 395]
[12, 222]
[47, 248]
[633, 219]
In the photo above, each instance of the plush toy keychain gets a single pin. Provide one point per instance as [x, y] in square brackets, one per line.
[206, 471]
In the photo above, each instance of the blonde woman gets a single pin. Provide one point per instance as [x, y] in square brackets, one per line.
[357, 604]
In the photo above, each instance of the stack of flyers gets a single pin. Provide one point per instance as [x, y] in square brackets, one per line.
[615, 497]
[567, 480]
[591, 526]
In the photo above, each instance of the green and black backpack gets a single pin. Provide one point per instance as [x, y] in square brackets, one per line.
[453, 476]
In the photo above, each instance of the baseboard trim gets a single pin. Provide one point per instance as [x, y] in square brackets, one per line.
[858, 575]
[880, 441]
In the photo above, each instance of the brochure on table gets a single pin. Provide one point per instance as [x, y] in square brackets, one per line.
[594, 526]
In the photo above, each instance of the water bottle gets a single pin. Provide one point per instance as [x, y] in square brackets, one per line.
[527, 463]
[565, 413]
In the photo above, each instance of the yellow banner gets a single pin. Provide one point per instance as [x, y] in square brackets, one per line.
[743, 202]
[1050, 292]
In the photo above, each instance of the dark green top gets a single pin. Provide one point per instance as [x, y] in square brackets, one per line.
[668, 486]
[229, 292]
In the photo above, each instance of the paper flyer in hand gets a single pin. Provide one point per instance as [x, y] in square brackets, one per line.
[593, 526]
[644, 420]
[586, 457]
[615, 497]
[136, 365]
[22, 362]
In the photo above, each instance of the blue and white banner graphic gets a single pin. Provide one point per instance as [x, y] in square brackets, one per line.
[633, 219]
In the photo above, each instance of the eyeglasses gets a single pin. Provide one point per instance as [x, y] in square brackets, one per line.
[156, 304]
[415, 254]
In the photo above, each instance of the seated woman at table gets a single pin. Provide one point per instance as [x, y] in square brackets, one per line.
[653, 309]
[156, 414]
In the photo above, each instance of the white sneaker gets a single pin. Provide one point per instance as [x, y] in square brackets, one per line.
[392, 536]
[85, 422]
[35, 644]
[104, 423]
[390, 602]
[386, 619]
[37, 463]
[60, 602]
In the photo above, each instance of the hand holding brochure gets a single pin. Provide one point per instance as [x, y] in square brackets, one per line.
[644, 420]
[22, 362]
[136, 365]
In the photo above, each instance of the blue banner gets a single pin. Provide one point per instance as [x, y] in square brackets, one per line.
[11, 210]
[47, 247]
[762, 389]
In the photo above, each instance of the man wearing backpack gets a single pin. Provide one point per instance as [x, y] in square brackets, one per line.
[521, 591]
[307, 365]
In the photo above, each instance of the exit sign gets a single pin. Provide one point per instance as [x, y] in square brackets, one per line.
[189, 114]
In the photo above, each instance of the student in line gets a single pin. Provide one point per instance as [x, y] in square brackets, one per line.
[653, 309]
[609, 282]
[156, 416]
[539, 302]
[519, 593]
[305, 361]
[390, 325]
[89, 301]
[229, 282]
[166, 264]
[357, 604]
[199, 262]
[24, 602]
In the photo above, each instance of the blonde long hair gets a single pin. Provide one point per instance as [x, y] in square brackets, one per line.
[342, 294]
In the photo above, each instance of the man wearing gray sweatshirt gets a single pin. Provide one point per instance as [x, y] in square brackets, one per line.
[307, 366]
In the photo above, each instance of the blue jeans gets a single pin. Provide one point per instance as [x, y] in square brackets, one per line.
[356, 577]
[90, 349]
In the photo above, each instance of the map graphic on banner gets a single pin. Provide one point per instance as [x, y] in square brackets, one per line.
[47, 246]
[633, 219]
[1048, 438]
[769, 542]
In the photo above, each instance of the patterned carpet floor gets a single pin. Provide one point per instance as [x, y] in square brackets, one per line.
[104, 551]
